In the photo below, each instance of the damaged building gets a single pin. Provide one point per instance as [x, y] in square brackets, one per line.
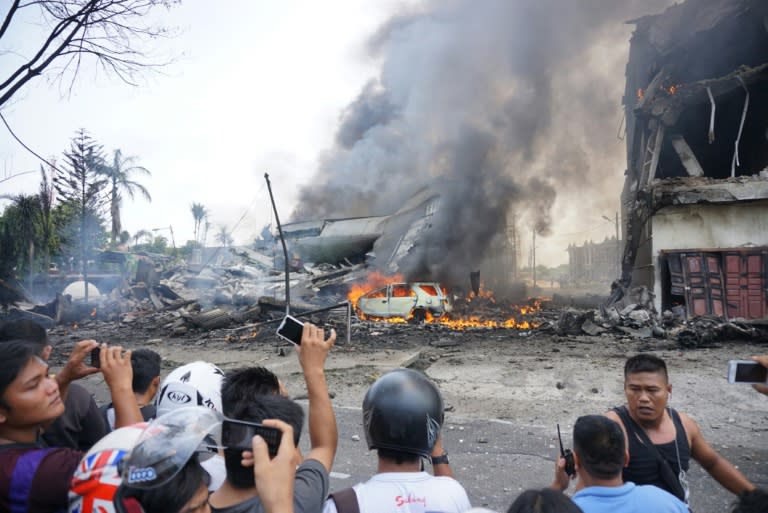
[695, 199]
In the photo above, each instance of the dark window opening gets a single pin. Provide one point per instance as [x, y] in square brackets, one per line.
[739, 40]
[716, 158]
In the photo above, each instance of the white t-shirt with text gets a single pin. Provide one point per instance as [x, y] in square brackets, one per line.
[408, 492]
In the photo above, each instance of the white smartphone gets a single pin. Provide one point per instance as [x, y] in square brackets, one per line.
[746, 371]
[291, 329]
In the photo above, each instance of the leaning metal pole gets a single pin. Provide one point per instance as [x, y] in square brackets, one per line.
[285, 249]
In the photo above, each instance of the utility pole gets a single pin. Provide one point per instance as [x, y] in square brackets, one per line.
[533, 250]
[618, 248]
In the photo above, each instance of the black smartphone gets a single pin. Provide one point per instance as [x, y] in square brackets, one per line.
[290, 329]
[237, 434]
[746, 371]
[567, 454]
[96, 357]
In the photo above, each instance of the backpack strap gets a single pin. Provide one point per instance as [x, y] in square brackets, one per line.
[21, 479]
[345, 500]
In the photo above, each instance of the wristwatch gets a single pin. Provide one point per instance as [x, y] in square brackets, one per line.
[440, 460]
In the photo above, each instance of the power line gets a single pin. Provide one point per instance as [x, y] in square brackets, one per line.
[25, 146]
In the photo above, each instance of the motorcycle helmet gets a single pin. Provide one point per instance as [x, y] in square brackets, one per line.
[97, 476]
[403, 411]
[167, 443]
[193, 384]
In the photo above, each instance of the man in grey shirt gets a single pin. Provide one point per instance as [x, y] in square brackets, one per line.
[238, 493]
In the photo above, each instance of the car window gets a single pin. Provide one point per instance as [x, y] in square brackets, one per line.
[377, 293]
[402, 291]
[429, 289]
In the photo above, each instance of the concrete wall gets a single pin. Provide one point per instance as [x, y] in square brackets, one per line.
[706, 226]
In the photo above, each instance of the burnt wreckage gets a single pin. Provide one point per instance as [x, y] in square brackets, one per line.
[695, 198]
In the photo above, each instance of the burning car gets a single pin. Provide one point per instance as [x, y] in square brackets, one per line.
[406, 300]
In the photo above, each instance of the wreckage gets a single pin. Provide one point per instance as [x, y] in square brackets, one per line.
[695, 199]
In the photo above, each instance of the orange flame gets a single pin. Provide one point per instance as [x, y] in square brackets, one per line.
[93, 313]
[375, 280]
[640, 94]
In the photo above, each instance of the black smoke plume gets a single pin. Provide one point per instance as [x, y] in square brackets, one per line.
[497, 105]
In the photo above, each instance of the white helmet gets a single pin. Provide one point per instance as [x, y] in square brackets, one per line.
[193, 384]
[97, 477]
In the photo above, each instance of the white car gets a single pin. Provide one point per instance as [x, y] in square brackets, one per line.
[406, 300]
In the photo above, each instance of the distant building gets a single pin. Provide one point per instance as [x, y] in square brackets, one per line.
[594, 261]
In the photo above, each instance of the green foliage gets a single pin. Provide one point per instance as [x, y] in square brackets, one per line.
[79, 184]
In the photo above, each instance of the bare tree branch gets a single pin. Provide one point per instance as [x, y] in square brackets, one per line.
[111, 32]
[8, 17]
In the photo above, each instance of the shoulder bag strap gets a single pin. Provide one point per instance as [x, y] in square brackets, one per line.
[665, 471]
[346, 501]
[21, 479]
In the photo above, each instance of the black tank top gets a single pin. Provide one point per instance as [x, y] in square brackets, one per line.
[643, 466]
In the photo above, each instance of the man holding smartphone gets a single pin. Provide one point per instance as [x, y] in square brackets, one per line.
[661, 440]
[239, 492]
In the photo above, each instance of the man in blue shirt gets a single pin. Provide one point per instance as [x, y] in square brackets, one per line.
[600, 454]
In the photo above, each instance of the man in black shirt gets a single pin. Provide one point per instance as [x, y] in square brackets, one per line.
[661, 440]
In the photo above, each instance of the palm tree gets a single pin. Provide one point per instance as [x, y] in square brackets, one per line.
[198, 213]
[119, 176]
[47, 228]
[224, 236]
[141, 234]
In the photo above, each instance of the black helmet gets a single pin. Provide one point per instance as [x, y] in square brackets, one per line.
[403, 411]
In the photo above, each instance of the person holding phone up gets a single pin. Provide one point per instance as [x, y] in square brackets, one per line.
[240, 492]
[660, 440]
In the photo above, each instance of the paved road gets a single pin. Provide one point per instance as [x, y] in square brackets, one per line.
[495, 460]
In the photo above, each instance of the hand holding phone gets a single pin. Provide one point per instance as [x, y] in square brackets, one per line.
[96, 357]
[291, 329]
[238, 434]
[747, 371]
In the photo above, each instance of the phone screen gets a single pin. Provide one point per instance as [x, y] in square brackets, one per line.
[237, 434]
[95, 357]
[291, 329]
[751, 373]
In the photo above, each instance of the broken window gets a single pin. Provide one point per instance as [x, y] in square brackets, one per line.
[402, 291]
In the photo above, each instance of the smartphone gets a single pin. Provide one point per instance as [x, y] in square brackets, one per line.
[567, 454]
[96, 357]
[290, 329]
[237, 434]
[746, 371]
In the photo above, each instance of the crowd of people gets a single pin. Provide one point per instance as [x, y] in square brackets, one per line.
[176, 445]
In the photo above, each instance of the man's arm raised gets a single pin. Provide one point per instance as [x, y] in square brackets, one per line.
[323, 433]
[717, 466]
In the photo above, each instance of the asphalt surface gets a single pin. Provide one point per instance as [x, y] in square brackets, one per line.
[496, 460]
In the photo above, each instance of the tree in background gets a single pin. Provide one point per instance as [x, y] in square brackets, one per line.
[21, 217]
[141, 234]
[118, 175]
[224, 236]
[199, 214]
[79, 184]
[45, 222]
[110, 32]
